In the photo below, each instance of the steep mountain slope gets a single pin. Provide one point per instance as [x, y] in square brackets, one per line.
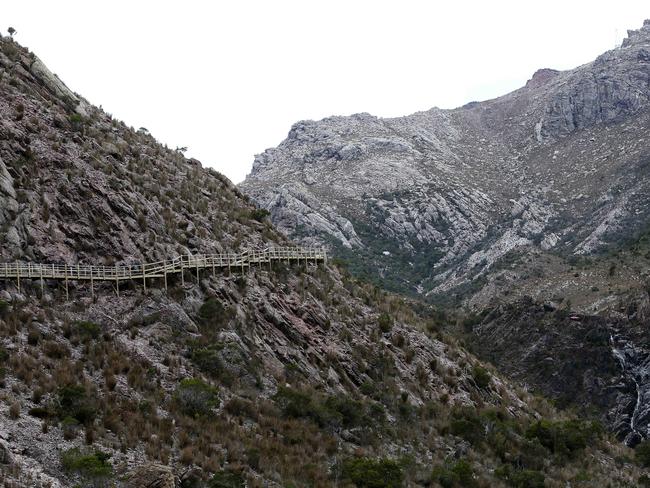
[291, 376]
[596, 364]
[427, 203]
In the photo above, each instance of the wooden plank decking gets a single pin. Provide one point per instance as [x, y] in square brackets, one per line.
[160, 269]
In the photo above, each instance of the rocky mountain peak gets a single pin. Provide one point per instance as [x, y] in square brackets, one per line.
[541, 76]
[638, 36]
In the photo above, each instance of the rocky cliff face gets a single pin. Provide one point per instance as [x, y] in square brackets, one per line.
[596, 364]
[290, 376]
[429, 202]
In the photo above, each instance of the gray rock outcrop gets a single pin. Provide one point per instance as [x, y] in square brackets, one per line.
[559, 165]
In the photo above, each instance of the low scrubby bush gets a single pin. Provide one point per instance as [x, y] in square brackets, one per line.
[459, 474]
[87, 329]
[74, 402]
[226, 479]
[330, 411]
[642, 454]
[195, 397]
[373, 473]
[467, 424]
[93, 466]
[4, 308]
[481, 376]
[259, 214]
[213, 314]
[385, 322]
[564, 438]
[524, 478]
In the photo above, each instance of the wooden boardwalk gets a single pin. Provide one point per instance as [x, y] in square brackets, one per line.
[161, 269]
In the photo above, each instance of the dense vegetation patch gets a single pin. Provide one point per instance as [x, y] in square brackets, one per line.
[93, 466]
[195, 397]
[373, 473]
[327, 411]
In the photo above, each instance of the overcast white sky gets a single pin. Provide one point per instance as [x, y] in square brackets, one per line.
[228, 78]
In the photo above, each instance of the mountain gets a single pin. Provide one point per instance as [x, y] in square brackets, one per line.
[293, 375]
[439, 203]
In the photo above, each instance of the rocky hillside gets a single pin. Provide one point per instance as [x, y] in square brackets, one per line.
[430, 203]
[597, 365]
[294, 376]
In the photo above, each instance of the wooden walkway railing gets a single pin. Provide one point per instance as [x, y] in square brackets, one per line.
[160, 269]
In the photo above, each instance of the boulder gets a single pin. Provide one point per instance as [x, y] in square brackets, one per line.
[152, 476]
[5, 454]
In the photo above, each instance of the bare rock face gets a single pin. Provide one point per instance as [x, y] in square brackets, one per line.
[5, 454]
[152, 476]
[428, 203]
[54, 84]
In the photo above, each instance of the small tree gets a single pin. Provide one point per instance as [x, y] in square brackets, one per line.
[642, 454]
[385, 322]
[11, 32]
[196, 398]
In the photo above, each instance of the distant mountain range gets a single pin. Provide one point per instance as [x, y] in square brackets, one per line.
[440, 202]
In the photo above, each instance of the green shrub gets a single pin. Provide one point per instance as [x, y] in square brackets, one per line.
[211, 310]
[346, 411]
[467, 424]
[481, 376]
[70, 427]
[471, 321]
[371, 473]
[385, 322]
[208, 360]
[39, 412]
[74, 402]
[644, 480]
[94, 466]
[88, 329]
[259, 214]
[642, 454]
[332, 411]
[4, 354]
[564, 438]
[459, 474]
[213, 314]
[76, 122]
[299, 404]
[195, 397]
[33, 337]
[225, 479]
[4, 308]
[527, 479]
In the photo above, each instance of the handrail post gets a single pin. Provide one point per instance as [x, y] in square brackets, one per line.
[18, 275]
[197, 269]
[165, 272]
[144, 278]
[182, 273]
[67, 293]
[42, 291]
[92, 284]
